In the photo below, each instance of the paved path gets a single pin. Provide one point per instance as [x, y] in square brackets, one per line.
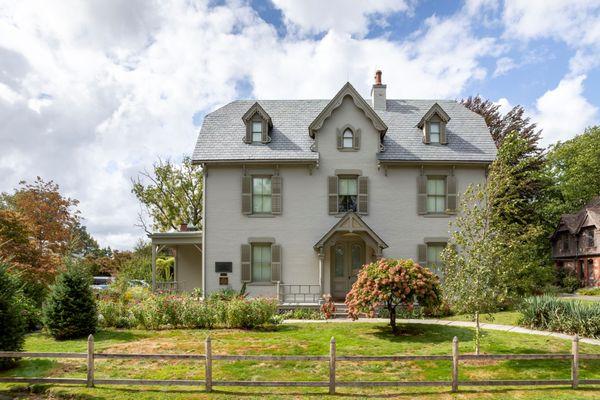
[465, 324]
[579, 297]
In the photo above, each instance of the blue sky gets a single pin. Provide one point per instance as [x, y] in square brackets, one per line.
[90, 100]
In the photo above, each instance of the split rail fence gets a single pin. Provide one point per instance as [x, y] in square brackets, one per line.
[332, 383]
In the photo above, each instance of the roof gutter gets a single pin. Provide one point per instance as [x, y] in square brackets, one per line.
[261, 162]
[435, 162]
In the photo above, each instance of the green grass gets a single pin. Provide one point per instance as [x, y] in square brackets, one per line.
[502, 318]
[307, 339]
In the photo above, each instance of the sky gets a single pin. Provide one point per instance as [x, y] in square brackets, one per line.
[93, 92]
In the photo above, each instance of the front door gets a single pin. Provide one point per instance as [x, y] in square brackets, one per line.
[346, 259]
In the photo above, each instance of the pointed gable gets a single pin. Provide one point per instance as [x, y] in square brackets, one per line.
[435, 109]
[257, 109]
[351, 222]
[359, 102]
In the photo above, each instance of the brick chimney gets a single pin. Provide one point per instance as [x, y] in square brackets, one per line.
[378, 93]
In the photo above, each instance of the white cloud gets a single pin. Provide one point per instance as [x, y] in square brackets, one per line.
[504, 104]
[92, 99]
[563, 112]
[503, 65]
[343, 16]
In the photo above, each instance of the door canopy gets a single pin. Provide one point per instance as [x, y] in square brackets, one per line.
[351, 223]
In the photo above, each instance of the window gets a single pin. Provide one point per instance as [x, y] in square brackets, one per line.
[565, 242]
[589, 236]
[261, 263]
[347, 194]
[256, 131]
[434, 260]
[261, 194]
[436, 195]
[434, 132]
[348, 139]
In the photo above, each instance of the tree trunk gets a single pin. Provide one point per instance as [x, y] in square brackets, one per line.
[392, 311]
[477, 333]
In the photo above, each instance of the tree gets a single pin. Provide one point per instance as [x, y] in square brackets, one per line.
[173, 195]
[12, 323]
[391, 284]
[501, 125]
[70, 310]
[574, 167]
[475, 280]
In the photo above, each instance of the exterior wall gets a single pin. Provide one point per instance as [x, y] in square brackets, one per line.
[577, 245]
[305, 219]
[188, 270]
[587, 269]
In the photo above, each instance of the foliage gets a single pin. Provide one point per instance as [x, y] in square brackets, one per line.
[303, 313]
[159, 311]
[12, 323]
[173, 195]
[502, 125]
[328, 306]
[164, 268]
[570, 283]
[473, 281]
[574, 166]
[591, 291]
[553, 314]
[70, 310]
[391, 284]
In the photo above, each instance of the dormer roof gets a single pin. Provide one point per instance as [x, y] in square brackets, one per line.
[435, 109]
[257, 109]
[347, 91]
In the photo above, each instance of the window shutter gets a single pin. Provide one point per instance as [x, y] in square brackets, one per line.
[340, 139]
[248, 132]
[422, 194]
[275, 263]
[451, 196]
[332, 183]
[246, 263]
[276, 189]
[426, 133]
[422, 254]
[246, 194]
[363, 195]
[265, 132]
[443, 139]
[357, 139]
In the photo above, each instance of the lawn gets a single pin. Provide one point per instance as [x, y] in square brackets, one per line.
[307, 339]
[502, 318]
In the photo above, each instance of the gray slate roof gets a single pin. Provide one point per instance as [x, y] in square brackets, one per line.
[221, 135]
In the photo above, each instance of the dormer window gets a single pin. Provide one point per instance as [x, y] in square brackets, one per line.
[433, 125]
[348, 142]
[258, 125]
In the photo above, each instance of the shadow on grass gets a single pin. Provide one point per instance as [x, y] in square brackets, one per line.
[417, 333]
[30, 368]
[124, 335]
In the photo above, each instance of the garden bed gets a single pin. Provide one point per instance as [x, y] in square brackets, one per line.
[307, 339]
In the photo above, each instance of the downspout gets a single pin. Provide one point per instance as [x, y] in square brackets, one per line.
[204, 269]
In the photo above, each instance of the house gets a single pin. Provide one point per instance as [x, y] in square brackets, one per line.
[576, 243]
[299, 194]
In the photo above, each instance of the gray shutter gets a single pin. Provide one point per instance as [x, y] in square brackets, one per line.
[443, 139]
[422, 255]
[276, 189]
[451, 195]
[357, 139]
[246, 194]
[339, 139]
[332, 190]
[265, 132]
[426, 133]
[275, 263]
[248, 132]
[246, 263]
[363, 195]
[422, 194]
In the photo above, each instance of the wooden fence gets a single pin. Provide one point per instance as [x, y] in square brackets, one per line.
[332, 383]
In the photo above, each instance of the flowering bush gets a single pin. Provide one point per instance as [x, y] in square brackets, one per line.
[391, 284]
[328, 306]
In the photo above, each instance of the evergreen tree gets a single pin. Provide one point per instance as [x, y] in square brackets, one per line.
[12, 323]
[70, 310]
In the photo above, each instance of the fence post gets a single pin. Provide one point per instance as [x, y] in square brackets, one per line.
[332, 366]
[208, 371]
[575, 363]
[90, 361]
[455, 364]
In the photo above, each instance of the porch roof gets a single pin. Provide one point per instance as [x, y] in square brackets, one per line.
[186, 237]
[350, 222]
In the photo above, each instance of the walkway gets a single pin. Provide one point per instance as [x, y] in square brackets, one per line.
[464, 324]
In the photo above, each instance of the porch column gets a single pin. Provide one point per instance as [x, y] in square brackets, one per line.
[321, 272]
[153, 267]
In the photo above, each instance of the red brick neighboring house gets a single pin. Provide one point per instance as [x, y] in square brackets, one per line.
[576, 243]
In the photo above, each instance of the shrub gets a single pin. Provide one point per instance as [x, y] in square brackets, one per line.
[12, 323]
[595, 291]
[249, 314]
[570, 283]
[70, 311]
[553, 314]
[115, 314]
[303, 313]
